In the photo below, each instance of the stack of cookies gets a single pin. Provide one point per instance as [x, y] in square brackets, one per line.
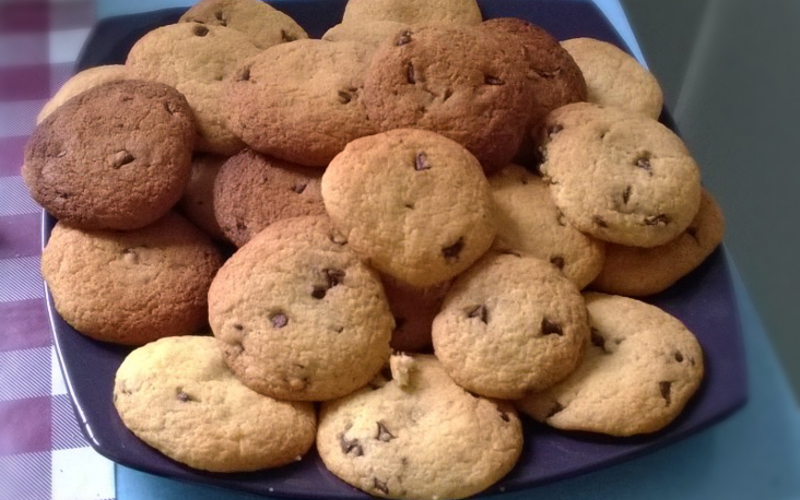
[413, 206]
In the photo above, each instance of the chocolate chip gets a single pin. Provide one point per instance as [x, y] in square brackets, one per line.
[404, 38]
[286, 37]
[448, 93]
[550, 328]
[409, 206]
[380, 486]
[220, 18]
[599, 221]
[626, 195]
[479, 312]
[383, 433]
[243, 75]
[597, 339]
[237, 326]
[279, 320]
[557, 407]
[493, 80]
[504, 415]
[347, 95]
[350, 445]
[678, 356]
[183, 397]
[560, 219]
[318, 292]
[200, 30]
[548, 74]
[120, 159]
[334, 276]
[451, 253]
[411, 74]
[421, 162]
[340, 329]
[557, 261]
[644, 163]
[666, 389]
[656, 220]
[169, 107]
[399, 322]
[299, 187]
[240, 225]
[554, 129]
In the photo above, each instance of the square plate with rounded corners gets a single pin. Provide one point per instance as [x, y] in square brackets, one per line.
[704, 301]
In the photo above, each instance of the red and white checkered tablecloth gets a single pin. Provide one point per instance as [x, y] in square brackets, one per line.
[43, 454]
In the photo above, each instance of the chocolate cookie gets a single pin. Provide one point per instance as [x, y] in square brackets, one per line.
[197, 203]
[252, 191]
[131, 287]
[81, 82]
[458, 81]
[412, 11]
[126, 177]
[300, 101]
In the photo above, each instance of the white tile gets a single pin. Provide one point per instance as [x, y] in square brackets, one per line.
[20, 279]
[66, 45]
[82, 474]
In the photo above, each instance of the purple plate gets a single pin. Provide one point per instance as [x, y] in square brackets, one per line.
[704, 301]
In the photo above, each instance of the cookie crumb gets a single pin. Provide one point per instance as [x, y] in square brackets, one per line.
[401, 365]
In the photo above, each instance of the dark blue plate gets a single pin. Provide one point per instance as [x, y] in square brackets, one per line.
[704, 301]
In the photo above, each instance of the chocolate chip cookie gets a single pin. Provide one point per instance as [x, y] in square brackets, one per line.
[81, 82]
[197, 203]
[412, 11]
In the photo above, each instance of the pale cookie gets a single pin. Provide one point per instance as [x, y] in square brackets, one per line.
[412, 202]
[419, 436]
[197, 203]
[636, 271]
[628, 180]
[177, 395]
[413, 310]
[615, 78]
[458, 81]
[300, 316]
[131, 287]
[261, 23]
[529, 222]
[640, 370]
[252, 191]
[125, 177]
[195, 59]
[413, 11]
[510, 325]
[371, 33]
[81, 82]
[301, 101]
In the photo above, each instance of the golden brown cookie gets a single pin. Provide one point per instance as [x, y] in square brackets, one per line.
[413, 11]
[197, 203]
[413, 310]
[81, 82]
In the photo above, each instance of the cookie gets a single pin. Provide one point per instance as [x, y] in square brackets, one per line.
[197, 203]
[458, 81]
[131, 287]
[413, 310]
[252, 191]
[636, 271]
[628, 180]
[371, 33]
[615, 78]
[195, 59]
[261, 23]
[412, 202]
[300, 101]
[529, 222]
[640, 370]
[418, 436]
[177, 395]
[510, 325]
[412, 11]
[301, 318]
[81, 82]
[124, 178]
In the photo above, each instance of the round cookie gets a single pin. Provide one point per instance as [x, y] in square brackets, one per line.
[177, 395]
[628, 180]
[636, 271]
[126, 177]
[529, 222]
[131, 287]
[412, 11]
[640, 358]
[252, 191]
[412, 202]
[197, 203]
[261, 23]
[81, 82]
[458, 81]
[301, 318]
[301, 101]
[614, 78]
[195, 59]
[413, 310]
[371, 33]
[418, 436]
[510, 325]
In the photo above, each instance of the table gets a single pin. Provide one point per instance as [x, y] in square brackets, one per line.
[753, 454]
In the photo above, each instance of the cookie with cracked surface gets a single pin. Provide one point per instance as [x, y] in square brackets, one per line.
[371, 33]
[628, 179]
[81, 82]
[615, 78]
[458, 81]
[529, 222]
[177, 395]
[197, 203]
[412, 11]
[261, 23]
[412, 202]
[300, 101]
[125, 178]
[413, 310]
[510, 325]
[252, 191]
[131, 287]
[401, 440]
[195, 59]
[640, 357]
[300, 317]
[637, 272]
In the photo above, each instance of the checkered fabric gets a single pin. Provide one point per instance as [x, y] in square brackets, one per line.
[43, 454]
